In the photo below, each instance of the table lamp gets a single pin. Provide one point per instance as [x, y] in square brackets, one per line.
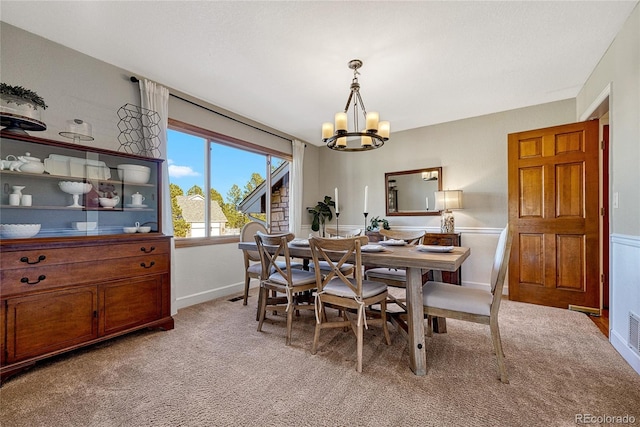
[445, 201]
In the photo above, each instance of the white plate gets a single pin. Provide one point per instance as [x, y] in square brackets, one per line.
[300, 242]
[76, 167]
[434, 248]
[372, 248]
[392, 242]
[129, 205]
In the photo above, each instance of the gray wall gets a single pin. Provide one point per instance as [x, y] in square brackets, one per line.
[618, 75]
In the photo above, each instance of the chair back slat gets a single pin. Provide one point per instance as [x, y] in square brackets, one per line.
[343, 232]
[324, 250]
[269, 258]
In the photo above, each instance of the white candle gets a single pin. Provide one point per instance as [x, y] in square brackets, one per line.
[427, 201]
[366, 197]
[327, 130]
[341, 121]
[342, 142]
[336, 194]
[372, 120]
[383, 129]
[365, 141]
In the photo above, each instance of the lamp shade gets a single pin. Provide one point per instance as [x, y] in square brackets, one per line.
[447, 200]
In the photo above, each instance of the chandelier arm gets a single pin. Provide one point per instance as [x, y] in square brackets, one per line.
[346, 107]
[364, 110]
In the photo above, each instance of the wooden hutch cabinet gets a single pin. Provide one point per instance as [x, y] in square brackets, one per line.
[67, 286]
[445, 239]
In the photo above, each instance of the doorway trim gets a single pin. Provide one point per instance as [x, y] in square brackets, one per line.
[600, 106]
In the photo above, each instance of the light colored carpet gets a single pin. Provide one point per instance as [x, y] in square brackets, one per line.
[215, 369]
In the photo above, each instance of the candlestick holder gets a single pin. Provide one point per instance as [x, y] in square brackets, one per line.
[365, 222]
[337, 224]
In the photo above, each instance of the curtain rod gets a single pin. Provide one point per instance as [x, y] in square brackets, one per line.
[134, 79]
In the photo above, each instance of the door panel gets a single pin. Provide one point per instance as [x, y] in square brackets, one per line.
[553, 208]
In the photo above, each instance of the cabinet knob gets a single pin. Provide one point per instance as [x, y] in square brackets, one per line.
[26, 280]
[26, 259]
[151, 249]
[151, 264]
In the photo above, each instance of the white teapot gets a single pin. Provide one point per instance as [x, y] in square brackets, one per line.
[28, 164]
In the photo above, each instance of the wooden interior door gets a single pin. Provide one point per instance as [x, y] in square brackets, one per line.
[553, 209]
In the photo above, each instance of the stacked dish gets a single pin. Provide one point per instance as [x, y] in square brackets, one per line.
[19, 231]
[393, 242]
[134, 174]
[371, 248]
[434, 248]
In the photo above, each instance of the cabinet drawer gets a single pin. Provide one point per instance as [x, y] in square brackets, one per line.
[56, 256]
[20, 280]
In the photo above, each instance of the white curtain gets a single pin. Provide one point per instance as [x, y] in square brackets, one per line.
[156, 98]
[295, 190]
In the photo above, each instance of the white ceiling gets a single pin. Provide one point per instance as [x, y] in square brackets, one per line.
[284, 64]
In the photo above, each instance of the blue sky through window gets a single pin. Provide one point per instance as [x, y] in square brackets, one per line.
[229, 165]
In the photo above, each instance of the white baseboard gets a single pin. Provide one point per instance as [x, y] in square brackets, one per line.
[621, 345]
[208, 295]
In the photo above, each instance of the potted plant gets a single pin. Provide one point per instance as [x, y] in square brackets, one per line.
[321, 213]
[20, 109]
[375, 224]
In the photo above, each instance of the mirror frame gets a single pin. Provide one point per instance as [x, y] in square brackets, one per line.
[389, 175]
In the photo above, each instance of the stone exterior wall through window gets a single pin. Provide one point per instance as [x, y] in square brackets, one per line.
[280, 208]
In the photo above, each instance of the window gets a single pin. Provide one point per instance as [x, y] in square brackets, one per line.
[234, 175]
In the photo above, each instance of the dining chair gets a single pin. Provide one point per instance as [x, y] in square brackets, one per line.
[348, 294]
[343, 232]
[252, 266]
[471, 304]
[346, 268]
[393, 276]
[289, 281]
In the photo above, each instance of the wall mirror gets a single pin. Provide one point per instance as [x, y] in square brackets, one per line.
[412, 193]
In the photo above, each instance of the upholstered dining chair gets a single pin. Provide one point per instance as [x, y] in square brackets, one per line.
[346, 293]
[393, 276]
[285, 280]
[471, 304]
[252, 266]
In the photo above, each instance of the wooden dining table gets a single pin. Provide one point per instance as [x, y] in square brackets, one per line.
[414, 261]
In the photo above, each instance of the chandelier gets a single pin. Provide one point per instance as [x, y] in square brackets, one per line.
[375, 132]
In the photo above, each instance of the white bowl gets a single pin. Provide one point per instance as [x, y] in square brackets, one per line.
[106, 202]
[130, 229]
[134, 174]
[74, 187]
[144, 229]
[85, 226]
[19, 231]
